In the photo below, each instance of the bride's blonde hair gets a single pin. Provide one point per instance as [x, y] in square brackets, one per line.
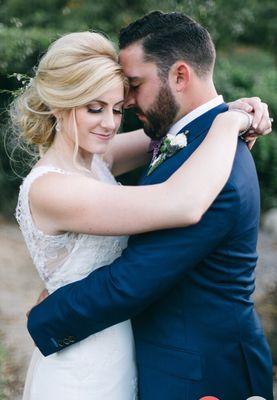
[77, 68]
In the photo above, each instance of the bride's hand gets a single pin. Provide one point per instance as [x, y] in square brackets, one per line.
[238, 119]
[41, 297]
[244, 119]
[262, 123]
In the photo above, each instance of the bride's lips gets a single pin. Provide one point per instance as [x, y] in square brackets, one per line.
[102, 137]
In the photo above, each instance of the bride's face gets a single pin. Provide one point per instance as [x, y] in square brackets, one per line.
[98, 122]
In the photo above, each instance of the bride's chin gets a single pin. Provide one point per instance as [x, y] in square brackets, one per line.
[99, 148]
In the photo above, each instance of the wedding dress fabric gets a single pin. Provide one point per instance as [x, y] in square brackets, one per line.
[101, 367]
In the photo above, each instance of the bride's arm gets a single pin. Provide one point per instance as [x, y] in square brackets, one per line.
[130, 150]
[82, 204]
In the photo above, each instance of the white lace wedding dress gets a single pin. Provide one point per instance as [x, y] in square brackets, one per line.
[101, 367]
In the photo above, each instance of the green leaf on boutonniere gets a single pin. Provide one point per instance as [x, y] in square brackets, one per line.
[158, 161]
[170, 145]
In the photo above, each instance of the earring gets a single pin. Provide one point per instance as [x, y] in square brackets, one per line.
[58, 126]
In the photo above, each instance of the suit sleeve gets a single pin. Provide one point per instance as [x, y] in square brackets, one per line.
[147, 269]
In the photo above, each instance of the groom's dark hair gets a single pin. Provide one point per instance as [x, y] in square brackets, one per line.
[169, 37]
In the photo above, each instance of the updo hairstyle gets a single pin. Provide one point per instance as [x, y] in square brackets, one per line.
[77, 68]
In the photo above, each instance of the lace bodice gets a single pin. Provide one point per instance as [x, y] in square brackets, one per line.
[61, 259]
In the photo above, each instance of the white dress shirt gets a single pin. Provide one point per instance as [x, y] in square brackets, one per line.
[195, 114]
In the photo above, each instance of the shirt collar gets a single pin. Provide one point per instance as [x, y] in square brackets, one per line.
[197, 112]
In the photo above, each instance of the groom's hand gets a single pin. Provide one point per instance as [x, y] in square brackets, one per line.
[262, 123]
[41, 297]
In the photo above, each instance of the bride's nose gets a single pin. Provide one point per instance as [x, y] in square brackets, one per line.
[108, 121]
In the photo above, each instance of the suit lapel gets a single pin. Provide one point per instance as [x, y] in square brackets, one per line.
[201, 124]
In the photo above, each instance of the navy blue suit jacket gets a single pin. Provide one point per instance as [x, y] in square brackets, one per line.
[187, 290]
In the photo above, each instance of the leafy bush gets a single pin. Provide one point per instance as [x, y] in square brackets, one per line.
[252, 72]
[221, 17]
[20, 48]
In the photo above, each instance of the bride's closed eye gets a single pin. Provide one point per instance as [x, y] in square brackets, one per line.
[99, 110]
[94, 110]
[95, 107]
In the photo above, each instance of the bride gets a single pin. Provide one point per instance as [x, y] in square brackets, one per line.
[73, 214]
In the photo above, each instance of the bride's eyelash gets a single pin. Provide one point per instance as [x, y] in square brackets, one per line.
[94, 110]
[99, 110]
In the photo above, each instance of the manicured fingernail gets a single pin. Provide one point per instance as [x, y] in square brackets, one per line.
[255, 125]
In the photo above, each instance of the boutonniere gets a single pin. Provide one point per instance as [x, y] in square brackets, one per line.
[169, 146]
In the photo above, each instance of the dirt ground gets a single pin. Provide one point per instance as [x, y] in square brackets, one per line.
[20, 286]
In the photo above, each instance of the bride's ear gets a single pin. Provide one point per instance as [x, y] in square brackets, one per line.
[57, 114]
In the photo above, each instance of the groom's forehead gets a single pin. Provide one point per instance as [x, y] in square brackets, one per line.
[132, 54]
[133, 62]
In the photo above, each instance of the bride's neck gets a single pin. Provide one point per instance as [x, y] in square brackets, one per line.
[61, 153]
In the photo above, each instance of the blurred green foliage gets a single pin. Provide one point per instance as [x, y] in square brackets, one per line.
[244, 72]
[244, 33]
[249, 20]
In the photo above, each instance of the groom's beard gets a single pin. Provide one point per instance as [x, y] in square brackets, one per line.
[161, 115]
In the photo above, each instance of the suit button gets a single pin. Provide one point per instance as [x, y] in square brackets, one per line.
[66, 341]
[71, 339]
[60, 343]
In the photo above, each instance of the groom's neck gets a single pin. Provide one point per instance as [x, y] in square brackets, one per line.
[196, 95]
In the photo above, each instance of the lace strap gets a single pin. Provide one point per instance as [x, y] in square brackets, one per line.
[23, 212]
[44, 169]
[44, 249]
[38, 172]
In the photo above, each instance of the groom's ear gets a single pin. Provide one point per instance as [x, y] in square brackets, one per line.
[180, 75]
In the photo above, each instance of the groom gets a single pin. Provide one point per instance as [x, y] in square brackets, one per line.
[187, 290]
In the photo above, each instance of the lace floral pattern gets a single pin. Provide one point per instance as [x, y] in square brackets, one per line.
[48, 252]
[61, 259]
